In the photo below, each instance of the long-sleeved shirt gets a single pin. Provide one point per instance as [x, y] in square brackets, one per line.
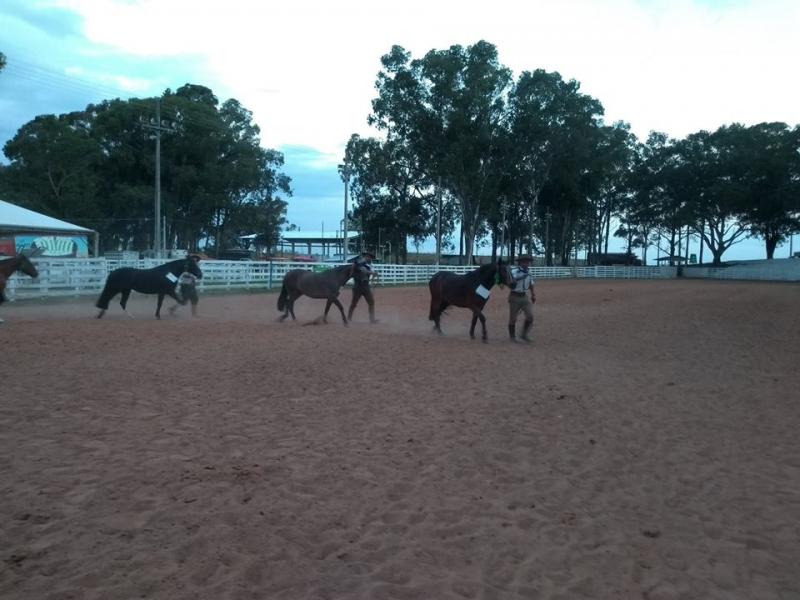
[522, 279]
[187, 278]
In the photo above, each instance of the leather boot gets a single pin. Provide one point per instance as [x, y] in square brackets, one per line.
[512, 332]
[525, 329]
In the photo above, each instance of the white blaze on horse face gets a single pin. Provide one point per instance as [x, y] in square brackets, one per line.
[482, 292]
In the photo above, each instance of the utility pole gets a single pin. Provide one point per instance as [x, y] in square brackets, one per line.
[547, 238]
[344, 227]
[158, 126]
[503, 231]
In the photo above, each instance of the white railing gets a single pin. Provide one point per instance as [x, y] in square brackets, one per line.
[627, 272]
[787, 269]
[75, 277]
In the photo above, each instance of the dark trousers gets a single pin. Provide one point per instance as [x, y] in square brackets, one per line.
[359, 290]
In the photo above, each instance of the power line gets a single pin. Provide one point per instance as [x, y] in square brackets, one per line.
[57, 80]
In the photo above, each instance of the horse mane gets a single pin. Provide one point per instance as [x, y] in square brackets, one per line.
[482, 271]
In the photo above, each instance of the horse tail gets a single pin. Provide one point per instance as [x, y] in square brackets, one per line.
[433, 285]
[105, 296]
[282, 298]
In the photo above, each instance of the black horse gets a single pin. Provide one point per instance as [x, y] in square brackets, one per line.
[299, 282]
[467, 291]
[160, 280]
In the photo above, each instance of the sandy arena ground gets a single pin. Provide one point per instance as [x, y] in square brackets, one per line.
[645, 446]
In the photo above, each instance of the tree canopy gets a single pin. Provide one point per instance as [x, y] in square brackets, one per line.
[96, 167]
[532, 162]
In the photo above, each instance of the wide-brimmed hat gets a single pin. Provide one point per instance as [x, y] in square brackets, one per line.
[524, 258]
[368, 255]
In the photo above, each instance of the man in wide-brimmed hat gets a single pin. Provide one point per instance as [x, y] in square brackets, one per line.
[518, 300]
[364, 273]
[187, 286]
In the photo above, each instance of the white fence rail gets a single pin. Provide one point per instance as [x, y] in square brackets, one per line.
[776, 270]
[75, 277]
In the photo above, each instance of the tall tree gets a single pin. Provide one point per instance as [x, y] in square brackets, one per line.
[772, 182]
[448, 106]
[97, 166]
[555, 133]
[53, 165]
[393, 198]
[709, 181]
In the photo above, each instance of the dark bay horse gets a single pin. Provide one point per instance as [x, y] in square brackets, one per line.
[299, 282]
[159, 280]
[467, 291]
[9, 266]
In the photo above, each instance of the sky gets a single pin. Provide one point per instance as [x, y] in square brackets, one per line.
[307, 68]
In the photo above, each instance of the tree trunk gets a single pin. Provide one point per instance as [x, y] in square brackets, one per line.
[461, 241]
[771, 241]
[717, 252]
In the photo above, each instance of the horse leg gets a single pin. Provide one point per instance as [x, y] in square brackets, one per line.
[472, 325]
[483, 326]
[327, 308]
[437, 326]
[341, 309]
[285, 314]
[158, 305]
[123, 302]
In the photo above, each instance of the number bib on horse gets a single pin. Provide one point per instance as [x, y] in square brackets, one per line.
[482, 292]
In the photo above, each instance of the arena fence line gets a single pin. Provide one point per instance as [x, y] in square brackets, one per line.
[774, 270]
[77, 277]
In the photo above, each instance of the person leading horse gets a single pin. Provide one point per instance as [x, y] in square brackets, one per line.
[362, 275]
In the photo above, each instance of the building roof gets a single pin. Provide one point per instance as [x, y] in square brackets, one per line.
[16, 218]
[305, 237]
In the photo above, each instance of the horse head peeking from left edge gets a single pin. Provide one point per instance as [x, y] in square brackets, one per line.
[18, 263]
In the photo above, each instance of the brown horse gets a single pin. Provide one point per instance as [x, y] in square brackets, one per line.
[299, 282]
[467, 291]
[9, 266]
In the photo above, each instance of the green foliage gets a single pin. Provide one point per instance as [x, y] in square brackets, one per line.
[394, 198]
[533, 162]
[96, 167]
[447, 109]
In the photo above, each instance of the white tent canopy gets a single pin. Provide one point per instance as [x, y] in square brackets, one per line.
[16, 218]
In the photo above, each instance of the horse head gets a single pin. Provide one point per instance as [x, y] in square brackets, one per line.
[193, 267]
[25, 265]
[503, 273]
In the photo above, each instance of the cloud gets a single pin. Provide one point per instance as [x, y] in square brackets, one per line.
[675, 66]
[307, 68]
[52, 20]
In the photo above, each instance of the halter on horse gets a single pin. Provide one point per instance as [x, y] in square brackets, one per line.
[467, 291]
